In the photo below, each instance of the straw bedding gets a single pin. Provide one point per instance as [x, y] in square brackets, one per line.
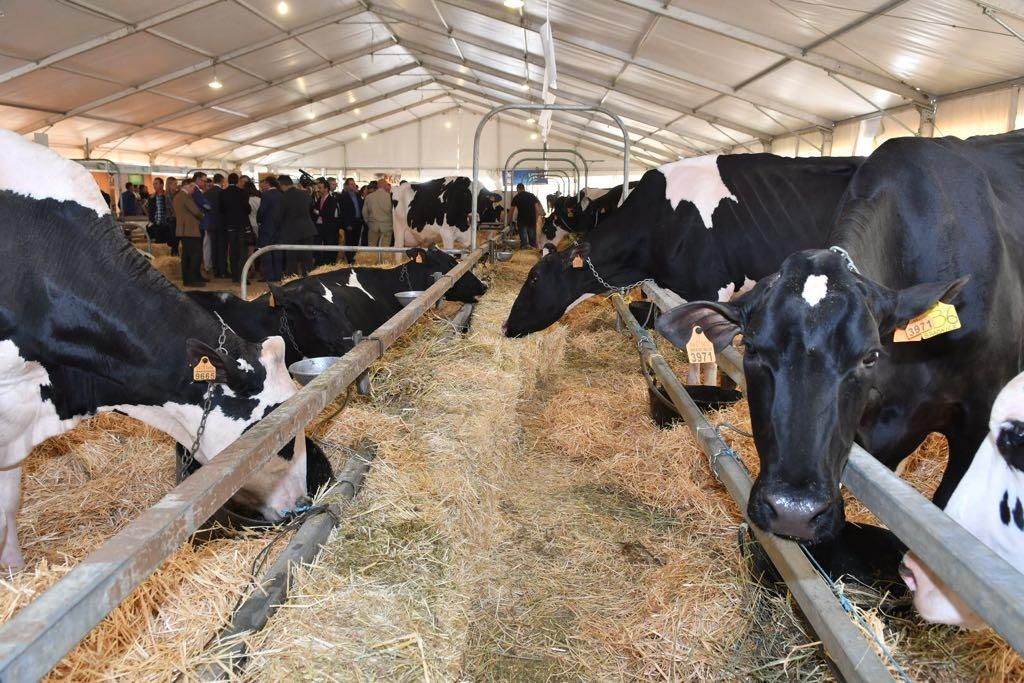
[524, 521]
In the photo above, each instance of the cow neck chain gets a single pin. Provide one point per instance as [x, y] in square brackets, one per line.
[190, 455]
[403, 274]
[845, 255]
[623, 289]
[286, 329]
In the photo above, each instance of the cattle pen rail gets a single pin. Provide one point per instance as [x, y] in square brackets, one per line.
[985, 581]
[35, 639]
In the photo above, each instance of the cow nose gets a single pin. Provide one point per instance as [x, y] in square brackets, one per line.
[793, 515]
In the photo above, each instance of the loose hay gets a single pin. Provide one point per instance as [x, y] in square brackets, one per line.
[524, 520]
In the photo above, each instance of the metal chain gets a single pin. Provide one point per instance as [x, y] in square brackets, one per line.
[190, 454]
[404, 275]
[286, 329]
[608, 285]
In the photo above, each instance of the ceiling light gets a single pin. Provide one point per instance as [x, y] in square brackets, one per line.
[513, 4]
[533, 136]
[215, 83]
[463, 69]
[364, 135]
[447, 124]
[524, 86]
[530, 120]
[282, 7]
[356, 110]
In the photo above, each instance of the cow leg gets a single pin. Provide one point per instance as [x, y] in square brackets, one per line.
[10, 500]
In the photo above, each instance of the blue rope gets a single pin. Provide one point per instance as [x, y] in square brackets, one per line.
[850, 609]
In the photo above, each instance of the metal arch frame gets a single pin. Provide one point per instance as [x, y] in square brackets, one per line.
[519, 162]
[474, 218]
[508, 187]
[533, 179]
[554, 150]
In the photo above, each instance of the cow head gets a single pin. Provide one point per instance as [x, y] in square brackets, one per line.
[555, 285]
[817, 337]
[317, 315]
[988, 502]
[426, 262]
[252, 380]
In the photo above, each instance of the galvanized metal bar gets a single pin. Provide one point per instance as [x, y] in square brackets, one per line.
[843, 641]
[40, 634]
[231, 651]
[542, 107]
[553, 150]
[546, 159]
[244, 290]
[986, 582]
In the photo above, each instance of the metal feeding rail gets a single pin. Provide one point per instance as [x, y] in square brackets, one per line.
[40, 634]
[844, 642]
[985, 581]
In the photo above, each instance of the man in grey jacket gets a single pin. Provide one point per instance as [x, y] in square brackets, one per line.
[296, 226]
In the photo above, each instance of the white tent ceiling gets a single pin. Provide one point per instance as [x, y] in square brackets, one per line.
[688, 76]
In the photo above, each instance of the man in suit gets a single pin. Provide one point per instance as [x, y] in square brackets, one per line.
[215, 227]
[234, 212]
[327, 222]
[378, 211]
[296, 226]
[268, 217]
[350, 209]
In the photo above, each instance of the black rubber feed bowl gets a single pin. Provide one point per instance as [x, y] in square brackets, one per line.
[707, 398]
[318, 475]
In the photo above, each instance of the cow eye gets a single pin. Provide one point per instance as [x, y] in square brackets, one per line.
[871, 358]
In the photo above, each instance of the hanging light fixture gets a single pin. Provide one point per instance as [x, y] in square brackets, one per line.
[282, 8]
[215, 83]
[514, 4]
[447, 124]
[364, 135]
[533, 136]
[531, 120]
[525, 85]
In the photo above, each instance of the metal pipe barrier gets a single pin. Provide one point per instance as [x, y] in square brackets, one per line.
[508, 176]
[845, 644]
[35, 639]
[541, 107]
[992, 587]
[321, 247]
[516, 166]
[553, 150]
[561, 178]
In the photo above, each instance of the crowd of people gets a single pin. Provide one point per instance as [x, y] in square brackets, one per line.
[213, 222]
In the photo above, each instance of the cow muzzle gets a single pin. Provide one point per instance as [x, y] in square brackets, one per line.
[791, 513]
[933, 599]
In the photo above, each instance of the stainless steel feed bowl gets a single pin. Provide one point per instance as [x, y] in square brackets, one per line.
[407, 297]
[503, 255]
[305, 370]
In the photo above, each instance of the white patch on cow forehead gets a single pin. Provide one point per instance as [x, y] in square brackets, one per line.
[328, 294]
[38, 172]
[696, 180]
[245, 366]
[815, 289]
[353, 281]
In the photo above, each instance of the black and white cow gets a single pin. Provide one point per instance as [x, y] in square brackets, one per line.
[88, 326]
[702, 227]
[923, 221]
[988, 502]
[318, 314]
[581, 214]
[434, 212]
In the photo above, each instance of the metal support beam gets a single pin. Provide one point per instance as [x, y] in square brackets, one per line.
[926, 122]
[200, 66]
[794, 52]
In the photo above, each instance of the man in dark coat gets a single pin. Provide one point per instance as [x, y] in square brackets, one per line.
[215, 227]
[234, 210]
[269, 219]
[325, 209]
[350, 212]
[296, 226]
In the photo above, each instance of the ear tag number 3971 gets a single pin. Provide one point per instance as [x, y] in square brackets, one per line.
[204, 371]
[700, 349]
[939, 319]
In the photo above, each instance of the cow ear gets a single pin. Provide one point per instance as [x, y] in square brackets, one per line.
[548, 249]
[416, 254]
[196, 350]
[578, 255]
[719, 321]
[902, 306]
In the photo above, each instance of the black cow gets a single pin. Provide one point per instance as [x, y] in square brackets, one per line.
[923, 221]
[581, 214]
[88, 326]
[318, 314]
[434, 212]
[702, 227]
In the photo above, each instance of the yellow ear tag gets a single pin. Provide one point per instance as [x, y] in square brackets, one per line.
[419, 258]
[700, 349]
[577, 261]
[204, 371]
[939, 319]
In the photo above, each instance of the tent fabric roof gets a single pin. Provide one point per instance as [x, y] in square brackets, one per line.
[688, 76]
